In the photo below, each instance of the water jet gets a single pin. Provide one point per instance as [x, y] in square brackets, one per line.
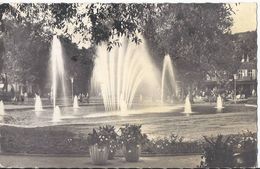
[120, 73]
[168, 66]
[75, 102]
[56, 114]
[187, 106]
[219, 106]
[2, 110]
[38, 104]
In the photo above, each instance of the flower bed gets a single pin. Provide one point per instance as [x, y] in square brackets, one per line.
[41, 140]
[49, 140]
[230, 151]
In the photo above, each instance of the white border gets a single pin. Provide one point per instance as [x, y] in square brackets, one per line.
[168, 1]
[125, 1]
[258, 87]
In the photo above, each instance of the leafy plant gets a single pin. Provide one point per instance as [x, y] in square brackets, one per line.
[113, 137]
[172, 144]
[132, 135]
[245, 146]
[218, 152]
[98, 137]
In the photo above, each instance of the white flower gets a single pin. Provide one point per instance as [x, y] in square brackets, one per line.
[129, 151]
[239, 145]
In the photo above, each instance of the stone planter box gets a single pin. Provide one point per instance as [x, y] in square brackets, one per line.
[98, 154]
[111, 154]
[132, 153]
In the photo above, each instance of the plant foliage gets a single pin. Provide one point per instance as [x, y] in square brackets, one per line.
[132, 135]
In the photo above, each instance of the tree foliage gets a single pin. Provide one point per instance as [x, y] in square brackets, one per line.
[89, 24]
[196, 36]
[24, 52]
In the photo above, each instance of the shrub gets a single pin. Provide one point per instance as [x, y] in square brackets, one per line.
[162, 145]
[113, 139]
[245, 146]
[98, 137]
[132, 135]
[171, 145]
[236, 151]
[218, 152]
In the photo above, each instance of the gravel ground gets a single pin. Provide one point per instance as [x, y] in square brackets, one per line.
[189, 161]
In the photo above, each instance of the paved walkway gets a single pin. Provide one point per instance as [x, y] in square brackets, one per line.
[190, 161]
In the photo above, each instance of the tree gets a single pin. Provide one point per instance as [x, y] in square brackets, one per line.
[79, 64]
[195, 35]
[197, 38]
[24, 53]
[91, 24]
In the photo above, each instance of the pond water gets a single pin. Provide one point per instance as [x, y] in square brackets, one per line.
[156, 120]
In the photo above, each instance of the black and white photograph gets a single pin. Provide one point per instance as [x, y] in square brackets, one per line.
[128, 84]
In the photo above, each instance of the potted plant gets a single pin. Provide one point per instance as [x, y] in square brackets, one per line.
[131, 139]
[246, 149]
[113, 144]
[98, 146]
[218, 152]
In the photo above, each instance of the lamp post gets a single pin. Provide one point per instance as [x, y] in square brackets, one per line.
[72, 81]
[235, 88]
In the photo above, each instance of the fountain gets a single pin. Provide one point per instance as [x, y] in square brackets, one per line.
[121, 71]
[38, 104]
[187, 106]
[2, 110]
[56, 114]
[58, 72]
[219, 106]
[167, 65]
[75, 102]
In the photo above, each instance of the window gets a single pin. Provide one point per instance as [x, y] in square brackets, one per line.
[244, 72]
[250, 73]
[240, 74]
[253, 74]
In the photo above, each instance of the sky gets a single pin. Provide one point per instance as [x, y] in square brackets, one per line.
[244, 17]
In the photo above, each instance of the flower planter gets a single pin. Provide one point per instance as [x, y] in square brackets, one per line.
[249, 158]
[111, 154]
[98, 154]
[132, 153]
